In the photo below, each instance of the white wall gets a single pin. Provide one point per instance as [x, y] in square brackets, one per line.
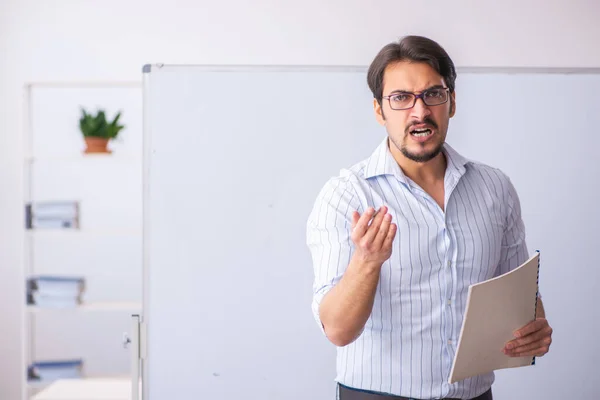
[112, 39]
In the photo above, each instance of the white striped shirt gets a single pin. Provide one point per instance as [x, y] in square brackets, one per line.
[409, 341]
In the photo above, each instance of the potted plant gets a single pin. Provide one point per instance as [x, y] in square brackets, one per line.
[97, 131]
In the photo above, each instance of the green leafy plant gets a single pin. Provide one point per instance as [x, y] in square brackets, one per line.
[98, 126]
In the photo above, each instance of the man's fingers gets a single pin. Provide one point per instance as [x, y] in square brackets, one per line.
[541, 343]
[390, 235]
[538, 352]
[369, 236]
[383, 231]
[362, 224]
[533, 337]
[373, 229]
[531, 327]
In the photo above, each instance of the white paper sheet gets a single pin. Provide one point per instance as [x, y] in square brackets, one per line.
[495, 309]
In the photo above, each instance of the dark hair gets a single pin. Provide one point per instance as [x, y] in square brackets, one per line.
[414, 49]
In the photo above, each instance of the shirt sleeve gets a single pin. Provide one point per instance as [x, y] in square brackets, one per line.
[328, 237]
[514, 247]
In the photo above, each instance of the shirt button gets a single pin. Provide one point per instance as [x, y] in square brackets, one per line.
[449, 301]
[449, 263]
[449, 341]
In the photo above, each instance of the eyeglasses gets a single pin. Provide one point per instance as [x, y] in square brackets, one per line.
[406, 100]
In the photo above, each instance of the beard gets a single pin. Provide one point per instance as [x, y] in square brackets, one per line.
[422, 157]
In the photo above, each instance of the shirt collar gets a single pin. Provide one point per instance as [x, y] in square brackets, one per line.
[456, 162]
[381, 162]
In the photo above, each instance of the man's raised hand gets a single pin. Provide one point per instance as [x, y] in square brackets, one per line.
[373, 234]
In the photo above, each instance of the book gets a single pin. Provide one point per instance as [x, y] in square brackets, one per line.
[55, 291]
[495, 309]
[55, 284]
[52, 215]
[52, 370]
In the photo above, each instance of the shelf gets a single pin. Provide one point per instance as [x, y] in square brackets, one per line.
[91, 157]
[38, 385]
[105, 388]
[43, 384]
[85, 231]
[130, 306]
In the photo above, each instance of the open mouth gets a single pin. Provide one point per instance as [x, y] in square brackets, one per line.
[423, 132]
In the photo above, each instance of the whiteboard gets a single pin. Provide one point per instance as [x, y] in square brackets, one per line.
[234, 158]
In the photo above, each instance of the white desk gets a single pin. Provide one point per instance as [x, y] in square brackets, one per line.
[87, 389]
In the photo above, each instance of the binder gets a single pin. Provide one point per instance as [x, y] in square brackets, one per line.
[52, 370]
[55, 291]
[52, 215]
[495, 309]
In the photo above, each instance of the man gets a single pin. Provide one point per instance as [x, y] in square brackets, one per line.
[397, 239]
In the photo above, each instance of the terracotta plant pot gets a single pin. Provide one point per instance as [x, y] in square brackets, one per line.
[96, 145]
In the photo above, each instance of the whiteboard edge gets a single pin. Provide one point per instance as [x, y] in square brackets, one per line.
[148, 68]
[146, 153]
[254, 68]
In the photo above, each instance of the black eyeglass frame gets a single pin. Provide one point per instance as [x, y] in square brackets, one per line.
[418, 96]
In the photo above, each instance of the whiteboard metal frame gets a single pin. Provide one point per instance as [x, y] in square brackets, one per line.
[148, 68]
[146, 153]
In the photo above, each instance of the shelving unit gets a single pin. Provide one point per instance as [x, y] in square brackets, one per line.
[106, 248]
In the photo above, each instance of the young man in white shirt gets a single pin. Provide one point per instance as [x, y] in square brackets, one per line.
[397, 239]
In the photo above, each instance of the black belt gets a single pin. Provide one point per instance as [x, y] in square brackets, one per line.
[348, 393]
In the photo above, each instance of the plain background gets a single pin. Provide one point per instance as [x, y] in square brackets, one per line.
[71, 40]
